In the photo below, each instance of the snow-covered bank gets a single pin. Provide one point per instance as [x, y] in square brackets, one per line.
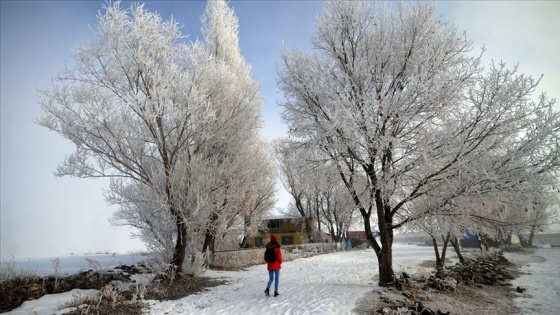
[542, 281]
[50, 304]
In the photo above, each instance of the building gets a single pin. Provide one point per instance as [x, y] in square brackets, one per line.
[357, 237]
[290, 230]
[469, 240]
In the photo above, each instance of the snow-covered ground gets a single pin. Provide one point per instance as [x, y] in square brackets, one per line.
[542, 281]
[323, 284]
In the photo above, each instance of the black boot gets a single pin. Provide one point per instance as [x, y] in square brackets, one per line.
[276, 294]
[266, 292]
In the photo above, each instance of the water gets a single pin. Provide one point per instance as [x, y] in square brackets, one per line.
[69, 264]
[542, 281]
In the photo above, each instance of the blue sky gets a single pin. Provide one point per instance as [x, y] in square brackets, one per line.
[42, 215]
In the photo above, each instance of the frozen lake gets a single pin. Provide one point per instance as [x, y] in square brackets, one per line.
[74, 264]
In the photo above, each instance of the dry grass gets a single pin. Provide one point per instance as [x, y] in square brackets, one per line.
[8, 270]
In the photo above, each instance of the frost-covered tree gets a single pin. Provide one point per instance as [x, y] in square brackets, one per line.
[335, 205]
[316, 191]
[243, 162]
[261, 195]
[536, 209]
[221, 36]
[392, 96]
[296, 178]
[161, 118]
[492, 202]
[543, 213]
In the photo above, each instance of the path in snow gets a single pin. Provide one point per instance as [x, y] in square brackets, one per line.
[323, 284]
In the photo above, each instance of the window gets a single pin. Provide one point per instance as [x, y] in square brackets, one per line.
[258, 242]
[357, 236]
[274, 224]
[287, 240]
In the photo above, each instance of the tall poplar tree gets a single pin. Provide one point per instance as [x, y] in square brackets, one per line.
[170, 122]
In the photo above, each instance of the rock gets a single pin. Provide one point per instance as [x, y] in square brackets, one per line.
[487, 271]
[423, 296]
[427, 311]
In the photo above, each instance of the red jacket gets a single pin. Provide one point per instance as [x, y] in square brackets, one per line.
[277, 264]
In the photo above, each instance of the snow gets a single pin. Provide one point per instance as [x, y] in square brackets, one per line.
[541, 279]
[50, 304]
[322, 284]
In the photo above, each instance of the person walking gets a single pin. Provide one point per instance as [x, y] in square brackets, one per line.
[273, 258]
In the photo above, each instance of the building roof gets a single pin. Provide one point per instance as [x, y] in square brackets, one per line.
[282, 217]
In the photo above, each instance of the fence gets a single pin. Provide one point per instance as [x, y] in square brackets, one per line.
[545, 239]
[237, 259]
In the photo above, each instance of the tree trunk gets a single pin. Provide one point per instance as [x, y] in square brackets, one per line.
[309, 229]
[206, 244]
[333, 235]
[483, 244]
[384, 220]
[180, 250]
[208, 247]
[319, 235]
[180, 246]
[319, 231]
[384, 252]
[307, 220]
[244, 242]
[212, 247]
[436, 250]
[522, 240]
[444, 250]
[385, 258]
[455, 243]
[531, 236]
